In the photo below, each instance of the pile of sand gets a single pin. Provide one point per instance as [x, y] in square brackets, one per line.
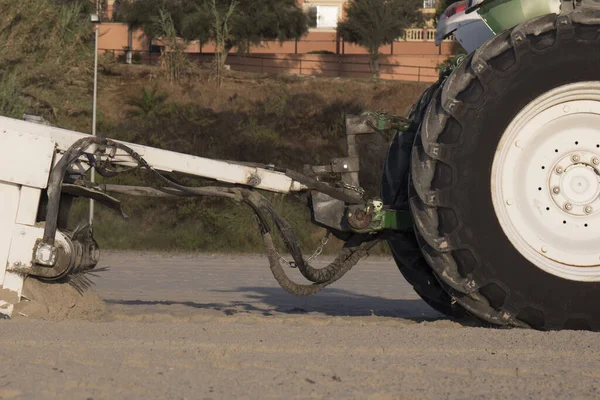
[58, 301]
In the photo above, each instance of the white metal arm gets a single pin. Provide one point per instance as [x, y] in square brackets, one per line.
[164, 160]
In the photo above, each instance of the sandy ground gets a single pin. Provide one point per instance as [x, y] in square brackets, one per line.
[204, 327]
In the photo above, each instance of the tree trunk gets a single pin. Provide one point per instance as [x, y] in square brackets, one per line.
[129, 55]
[374, 63]
[220, 59]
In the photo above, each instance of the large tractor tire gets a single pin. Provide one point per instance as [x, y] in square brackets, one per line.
[507, 177]
[395, 193]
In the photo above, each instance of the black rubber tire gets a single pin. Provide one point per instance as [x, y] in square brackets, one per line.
[459, 232]
[395, 193]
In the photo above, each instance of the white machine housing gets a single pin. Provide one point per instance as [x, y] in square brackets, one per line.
[469, 28]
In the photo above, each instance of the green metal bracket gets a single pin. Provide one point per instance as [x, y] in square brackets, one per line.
[500, 15]
[450, 65]
[385, 121]
[376, 218]
[395, 220]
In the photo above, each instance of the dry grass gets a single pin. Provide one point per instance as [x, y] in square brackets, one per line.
[285, 120]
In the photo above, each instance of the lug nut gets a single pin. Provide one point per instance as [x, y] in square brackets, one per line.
[559, 170]
[568, 207]
[588, 209]
[556, 190]
[595, 161]
[544, 249]
[576, 158]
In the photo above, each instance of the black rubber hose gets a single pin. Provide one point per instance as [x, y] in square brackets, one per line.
[55, 181]
[76, 150]
[288, 235]
[323, 187]
[354, 254]
[354, 249]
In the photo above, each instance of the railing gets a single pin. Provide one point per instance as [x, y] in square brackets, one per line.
[331, 66]
[422, 35]
[337, 68]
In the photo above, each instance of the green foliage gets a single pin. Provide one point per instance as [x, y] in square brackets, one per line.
[46, 52]
[224, 22]
[11, 104]
[148, 105]
[221, 28]
[194, 19]
[173, 60]
[374, 23]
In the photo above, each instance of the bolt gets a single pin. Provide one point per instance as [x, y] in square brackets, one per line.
[566, 109]
[509, 202]
[576, 158]
[22, 233]
[17, 263]
[544, 249]
[556, 190]
[595, 161]
[518, 38]
[559, 170]
[568, 206]
[518, 143]
[588, 209]
[360, 215]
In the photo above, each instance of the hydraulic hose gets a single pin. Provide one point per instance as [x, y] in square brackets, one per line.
[354, 249]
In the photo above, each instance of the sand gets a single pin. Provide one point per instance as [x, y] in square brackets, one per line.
[59, 301]
[217, 327]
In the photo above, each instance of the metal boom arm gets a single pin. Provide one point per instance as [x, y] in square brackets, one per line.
[44, 166]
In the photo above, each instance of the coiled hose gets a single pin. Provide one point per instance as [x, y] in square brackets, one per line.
[355, 248]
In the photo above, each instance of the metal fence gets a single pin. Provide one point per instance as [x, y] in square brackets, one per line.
[350, 66]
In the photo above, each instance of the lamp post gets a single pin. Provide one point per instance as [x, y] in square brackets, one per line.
[95, 19]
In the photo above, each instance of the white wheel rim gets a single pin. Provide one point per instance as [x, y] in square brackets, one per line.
[546, 182]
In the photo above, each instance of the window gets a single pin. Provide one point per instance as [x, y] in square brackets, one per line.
[327, 16]
[428, 3]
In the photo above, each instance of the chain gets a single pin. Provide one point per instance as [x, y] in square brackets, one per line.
[356, 189]
[317, 253]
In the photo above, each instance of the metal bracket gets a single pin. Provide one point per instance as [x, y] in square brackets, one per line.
[375, 218]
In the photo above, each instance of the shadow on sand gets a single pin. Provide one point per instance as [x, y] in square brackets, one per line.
[334, 302]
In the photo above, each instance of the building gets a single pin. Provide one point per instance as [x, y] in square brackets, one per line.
[415, 50]
[328, 12]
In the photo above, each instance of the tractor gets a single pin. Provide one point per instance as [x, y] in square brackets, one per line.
[490, 196]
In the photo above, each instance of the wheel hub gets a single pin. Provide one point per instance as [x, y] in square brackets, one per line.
[546, 182]
[574, 183]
